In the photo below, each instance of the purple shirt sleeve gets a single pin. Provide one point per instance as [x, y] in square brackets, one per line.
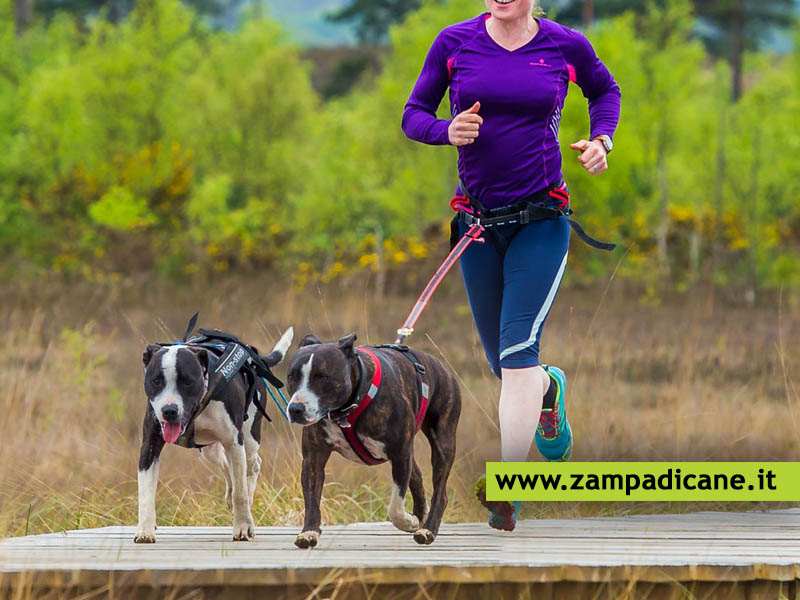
[598, 87]
[419, 117]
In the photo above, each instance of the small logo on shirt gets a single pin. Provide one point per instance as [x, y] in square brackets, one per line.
[541, 63]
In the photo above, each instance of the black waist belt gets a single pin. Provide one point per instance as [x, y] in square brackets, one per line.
[528, 210]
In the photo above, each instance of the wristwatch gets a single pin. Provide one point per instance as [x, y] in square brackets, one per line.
[606, 141]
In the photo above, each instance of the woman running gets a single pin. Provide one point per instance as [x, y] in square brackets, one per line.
[508, 74]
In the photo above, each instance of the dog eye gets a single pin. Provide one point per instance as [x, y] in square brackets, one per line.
[157, 380]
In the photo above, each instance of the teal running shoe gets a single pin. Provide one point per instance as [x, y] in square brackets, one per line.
[502, 513]
[553, 434]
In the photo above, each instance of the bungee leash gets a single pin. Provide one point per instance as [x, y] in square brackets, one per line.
[473, 234]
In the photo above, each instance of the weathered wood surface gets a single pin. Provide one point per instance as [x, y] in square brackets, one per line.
[710, 547]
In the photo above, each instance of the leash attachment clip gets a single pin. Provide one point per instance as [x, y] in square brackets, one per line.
[341, 414]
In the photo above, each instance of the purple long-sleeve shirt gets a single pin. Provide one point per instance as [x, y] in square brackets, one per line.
[521, 93]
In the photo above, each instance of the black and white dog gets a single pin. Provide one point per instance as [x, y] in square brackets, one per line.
[367, 404]
[175, 380]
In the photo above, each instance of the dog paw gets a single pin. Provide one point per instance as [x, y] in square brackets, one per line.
[307, 539]
[145, 537]
[244, 532]
[406, 522]
[424, 536]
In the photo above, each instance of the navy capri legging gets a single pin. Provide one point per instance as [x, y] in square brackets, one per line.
[510, 295]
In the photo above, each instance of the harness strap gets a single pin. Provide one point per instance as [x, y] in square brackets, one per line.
[349, 415]
[352, 417]
[587, 239]
[261, 367]
[477, 209]
[527, 210]
[253, 395]
[422, 385]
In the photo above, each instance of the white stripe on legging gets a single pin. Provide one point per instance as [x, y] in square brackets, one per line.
[537, 323]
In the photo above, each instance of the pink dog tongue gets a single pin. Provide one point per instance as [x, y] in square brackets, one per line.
[171, 432]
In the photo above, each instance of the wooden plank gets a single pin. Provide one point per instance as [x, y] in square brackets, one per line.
[723, 547]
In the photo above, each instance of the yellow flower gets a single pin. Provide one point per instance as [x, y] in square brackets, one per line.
[739, 242]
[367, 259]
[681, 213]
[417, 248]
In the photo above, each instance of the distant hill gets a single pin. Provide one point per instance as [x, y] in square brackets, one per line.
[306, 21]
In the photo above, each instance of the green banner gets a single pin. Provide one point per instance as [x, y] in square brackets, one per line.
[643, 481]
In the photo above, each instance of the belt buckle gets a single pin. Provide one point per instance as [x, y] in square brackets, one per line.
[470, 219]
[524, 217]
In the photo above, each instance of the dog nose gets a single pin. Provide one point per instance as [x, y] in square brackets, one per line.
[296, 412]
[170, 412]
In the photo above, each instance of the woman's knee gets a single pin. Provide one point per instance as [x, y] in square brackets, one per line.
[521, 375]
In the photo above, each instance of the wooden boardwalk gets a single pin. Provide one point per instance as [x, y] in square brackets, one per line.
[732, 555]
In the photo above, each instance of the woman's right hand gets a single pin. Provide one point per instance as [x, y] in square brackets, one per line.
[465, 126]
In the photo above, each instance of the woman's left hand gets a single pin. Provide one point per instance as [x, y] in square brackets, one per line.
[592, 155]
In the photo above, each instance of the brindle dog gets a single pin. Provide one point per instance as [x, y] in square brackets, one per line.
[326, 377]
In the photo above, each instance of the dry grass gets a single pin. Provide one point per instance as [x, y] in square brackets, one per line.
[691, 379]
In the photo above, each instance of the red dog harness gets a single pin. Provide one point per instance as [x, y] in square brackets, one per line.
[349, 421]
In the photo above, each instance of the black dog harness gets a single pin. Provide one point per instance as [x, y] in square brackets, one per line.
[228, 355]
[470, 211]
[347, 416]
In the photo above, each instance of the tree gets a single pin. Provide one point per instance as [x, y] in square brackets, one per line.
[117, 9]
[729, 28]
[575, 12]
[740, 25]
[23, 15]
[373, 17]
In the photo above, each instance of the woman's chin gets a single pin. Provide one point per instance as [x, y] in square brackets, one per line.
[509, 10]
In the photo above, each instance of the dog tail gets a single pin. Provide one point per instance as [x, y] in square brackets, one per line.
[279, 351]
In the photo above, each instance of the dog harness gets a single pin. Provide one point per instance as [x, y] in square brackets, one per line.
[228, 355]
[347, 417]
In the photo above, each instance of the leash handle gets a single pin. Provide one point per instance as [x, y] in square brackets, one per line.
[473, 234]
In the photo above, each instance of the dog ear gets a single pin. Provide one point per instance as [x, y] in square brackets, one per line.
[346, 344]
[202, 356]
[309, 340]
[148, 353]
